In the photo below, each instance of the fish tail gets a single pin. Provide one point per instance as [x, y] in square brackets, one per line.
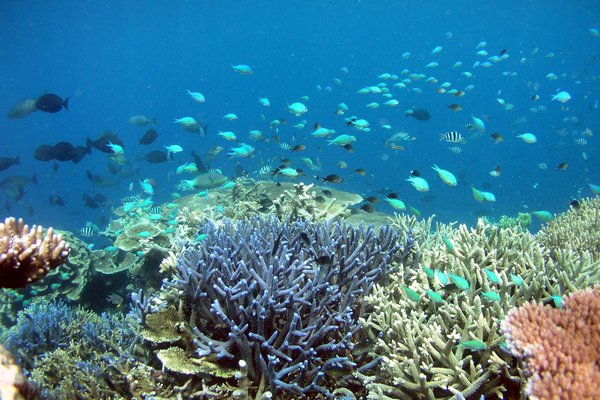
[66, 103]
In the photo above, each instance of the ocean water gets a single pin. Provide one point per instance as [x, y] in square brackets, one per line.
[118, 59]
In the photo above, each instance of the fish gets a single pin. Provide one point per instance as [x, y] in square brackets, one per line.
[455, 150]
[51, 103]
[242, 69]
[141, 120]
[415, 172]
[61, 151]
[497, 137]
[332, 178]
[22, 109]
[562, 97]
[298, 147]
[157, 157]
[87, 231]
[453, 137]
[149, 137]
[562, 166]
[99, 180]
[574, 203]
[7, 162]
[372, 199]
[418, 113]
[103, 141]
[367, 208]
[495, 172]
[360, 171]
[454, 107]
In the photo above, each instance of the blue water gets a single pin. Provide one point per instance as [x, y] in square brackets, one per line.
[116, 59]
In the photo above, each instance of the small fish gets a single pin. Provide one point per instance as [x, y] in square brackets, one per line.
[562, 166]
[360, 171]
[367, 208]
[372, 199]
[87, 231]
[498, 138]
[298, 147]
[415, 172]
[51, 103]
[455, 149]
[495, 172]
[148, 137]
[454, 107]
[574, 203]
[332, 178]
[453, 137]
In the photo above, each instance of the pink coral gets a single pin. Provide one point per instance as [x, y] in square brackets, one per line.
[561, 346]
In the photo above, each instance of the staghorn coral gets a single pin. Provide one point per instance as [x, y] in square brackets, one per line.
[281, 296]
[560, 346]
[437, 326]
[577, 229]
[26, 255]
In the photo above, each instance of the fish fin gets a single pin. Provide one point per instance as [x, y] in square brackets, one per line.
[66, 103]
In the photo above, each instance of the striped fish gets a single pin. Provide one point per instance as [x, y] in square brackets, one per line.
[453, 137]
[87, 231]
[455, 150]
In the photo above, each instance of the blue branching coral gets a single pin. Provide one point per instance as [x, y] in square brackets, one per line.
[285, 297]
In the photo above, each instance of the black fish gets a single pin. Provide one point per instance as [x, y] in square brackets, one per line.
[574, 203]
[149, 137]
[7, 162]
[89, 201]
[51, 103]
[44, 152]
[331, 178]
[415, 172]
[103, 141]
[418, 113]
[63, 151]
[157, 157]
[367, 208]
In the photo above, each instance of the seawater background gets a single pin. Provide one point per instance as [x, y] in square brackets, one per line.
[116, 59]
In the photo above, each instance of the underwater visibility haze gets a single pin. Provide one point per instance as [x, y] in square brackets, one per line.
[318, 199]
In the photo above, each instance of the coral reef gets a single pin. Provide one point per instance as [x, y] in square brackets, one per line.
[71, 353]
[284, 297]
[520, 222]
[436, 325]
[12, 382]
[560, 346]
[26, 254]
[578, 229]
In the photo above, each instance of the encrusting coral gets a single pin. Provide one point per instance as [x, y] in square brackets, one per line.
[26, 254]
[560, 346]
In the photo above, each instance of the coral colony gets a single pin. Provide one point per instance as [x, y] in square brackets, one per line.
[284, 297]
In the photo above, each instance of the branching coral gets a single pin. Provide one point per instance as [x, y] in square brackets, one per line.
[578, 229]
[437, 326]
[26, 254]
[560, 346]
[281, 296]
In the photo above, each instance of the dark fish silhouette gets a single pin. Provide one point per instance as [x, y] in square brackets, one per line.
[102, 142]
[418, 113]
[51, 103]
[7, 162]
[61, 151]
[157, 157]
[149, 137]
